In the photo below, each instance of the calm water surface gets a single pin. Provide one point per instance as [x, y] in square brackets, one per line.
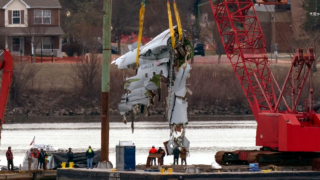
[206, 138]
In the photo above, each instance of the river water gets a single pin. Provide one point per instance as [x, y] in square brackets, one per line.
[206, 138]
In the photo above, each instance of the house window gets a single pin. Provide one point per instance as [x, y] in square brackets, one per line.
[38, 17]
[16, 17]
[46, 43]
[42, 17]
[46, 17]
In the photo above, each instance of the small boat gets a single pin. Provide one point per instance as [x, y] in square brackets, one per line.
[49, 149]
[57, 156]
[46, 147]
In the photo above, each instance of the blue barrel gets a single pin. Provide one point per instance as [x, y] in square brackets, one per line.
[254, 165]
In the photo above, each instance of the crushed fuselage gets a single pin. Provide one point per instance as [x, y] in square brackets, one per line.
[159, 64]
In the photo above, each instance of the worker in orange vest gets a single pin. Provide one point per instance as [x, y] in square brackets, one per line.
[35, 159]
[153, 150]
[30, 155]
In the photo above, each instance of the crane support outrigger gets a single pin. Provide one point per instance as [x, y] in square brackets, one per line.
[288, 136]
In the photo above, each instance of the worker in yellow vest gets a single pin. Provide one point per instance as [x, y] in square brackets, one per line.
[89, 156]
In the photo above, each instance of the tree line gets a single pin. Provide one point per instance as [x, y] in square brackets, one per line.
[85, 19]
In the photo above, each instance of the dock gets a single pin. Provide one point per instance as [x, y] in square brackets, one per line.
[29, 175]
[95, 174]
[229, 172]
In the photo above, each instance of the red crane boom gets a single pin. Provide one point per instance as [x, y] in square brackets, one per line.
[244, 45]
[279, 131]
[7, 66]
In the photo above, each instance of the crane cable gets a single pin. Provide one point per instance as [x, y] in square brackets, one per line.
[141, 20]
[176, 12]
[173, 42]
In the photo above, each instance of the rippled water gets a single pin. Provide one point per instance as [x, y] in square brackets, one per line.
[206, 138]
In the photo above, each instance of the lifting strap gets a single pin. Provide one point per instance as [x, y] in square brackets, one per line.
[173, 42]
[176, 13]
[141, 20]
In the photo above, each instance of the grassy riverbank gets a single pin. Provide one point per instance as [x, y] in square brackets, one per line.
[117, 118]
[60, 89]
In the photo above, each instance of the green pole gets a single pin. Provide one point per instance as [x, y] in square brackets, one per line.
[199, 10]
[105, 106]
[198, 14]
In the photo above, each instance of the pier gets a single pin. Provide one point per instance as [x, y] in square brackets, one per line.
[29, 175]
[95, 174]
[226, 172]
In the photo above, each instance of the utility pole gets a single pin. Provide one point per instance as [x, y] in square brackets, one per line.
[314, 41]
[105, 91]
[315, 15]
[199, 14]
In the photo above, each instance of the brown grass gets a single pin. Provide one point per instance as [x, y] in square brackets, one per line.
[53, 76]
[214, 86]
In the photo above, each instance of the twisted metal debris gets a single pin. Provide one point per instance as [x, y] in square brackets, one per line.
[159, 64]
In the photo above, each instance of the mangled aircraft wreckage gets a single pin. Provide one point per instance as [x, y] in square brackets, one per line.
[160, 64]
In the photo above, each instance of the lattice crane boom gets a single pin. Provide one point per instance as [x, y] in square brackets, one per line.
[244, 45]
[285, 131]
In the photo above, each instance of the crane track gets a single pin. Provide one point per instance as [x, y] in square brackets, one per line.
[241, 157]
[219, 157]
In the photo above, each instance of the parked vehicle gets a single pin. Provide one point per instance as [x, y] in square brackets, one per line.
[114, 50]
[199, 49]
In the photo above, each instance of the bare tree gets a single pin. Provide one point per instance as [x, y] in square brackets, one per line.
[125, 18]
[35, 34]
[3, 39]
[86, 76]
[87, 73]
[24, 74]
[210, 35]
[305, 42]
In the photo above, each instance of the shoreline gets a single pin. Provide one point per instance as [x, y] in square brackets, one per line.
[117, 118]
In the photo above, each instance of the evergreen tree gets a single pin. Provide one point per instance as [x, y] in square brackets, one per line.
[309, 6]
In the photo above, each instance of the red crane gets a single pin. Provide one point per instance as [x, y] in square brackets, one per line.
[7, 66]
[287, 136]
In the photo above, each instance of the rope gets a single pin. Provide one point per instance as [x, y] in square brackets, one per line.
[173, 42]
[176, 12]
[141, 20]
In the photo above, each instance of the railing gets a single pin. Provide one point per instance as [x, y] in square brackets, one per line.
[48, 52]
[45, 52]
[78, 59]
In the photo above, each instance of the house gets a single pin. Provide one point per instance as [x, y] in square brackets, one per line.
[31, 26]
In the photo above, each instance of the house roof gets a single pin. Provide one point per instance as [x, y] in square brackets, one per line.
[43, 3]
[34, 3]
[27, 31]
[3, 3]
